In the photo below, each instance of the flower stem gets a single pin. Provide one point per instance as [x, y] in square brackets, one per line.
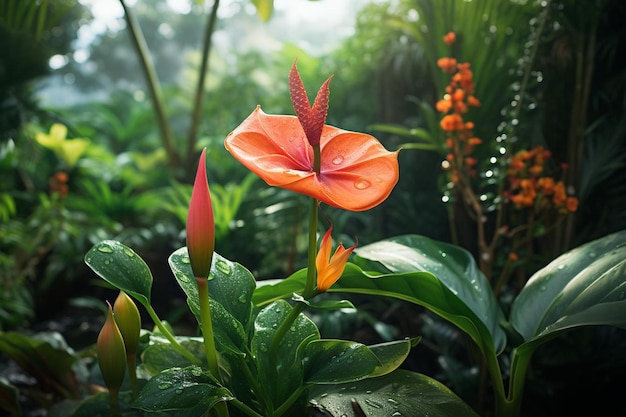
[207, 326]
[221, 409]
[165, 332]
[132, 373]
[114, 402]
[309, 289]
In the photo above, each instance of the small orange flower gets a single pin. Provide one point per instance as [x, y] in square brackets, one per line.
[443, 105]
[356, 172]
[473, 101]
[452, 122]
[449, 38]
[330, 268]
[447, 64]
[571, 204]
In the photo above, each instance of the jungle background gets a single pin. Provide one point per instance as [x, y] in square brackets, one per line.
[549, 73]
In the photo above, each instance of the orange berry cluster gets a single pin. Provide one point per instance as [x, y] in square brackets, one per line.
[58, 184]
[528, 186]
[457, 99]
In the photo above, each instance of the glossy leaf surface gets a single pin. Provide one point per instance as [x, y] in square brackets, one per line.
[454, 268]
[121, 267]
[585, 286]
[189, 389]
[400, 393]
[337, 361]
[282, 374]
[230, 292]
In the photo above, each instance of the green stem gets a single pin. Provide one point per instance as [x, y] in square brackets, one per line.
[114, 402]
[132, 373]
[153, 84]
[207, 327]
[289, 402]
[317, 158]
[244, 407]
[511, 406]
[221, 409]
[309, 289]
[197, 107]
[169, 336]
[283, 328]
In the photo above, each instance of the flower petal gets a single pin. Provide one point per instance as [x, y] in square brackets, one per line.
[357, 172]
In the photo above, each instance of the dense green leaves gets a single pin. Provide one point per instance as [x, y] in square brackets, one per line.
[121, 267]
[585, 286]
[400, 393]
[280, 366]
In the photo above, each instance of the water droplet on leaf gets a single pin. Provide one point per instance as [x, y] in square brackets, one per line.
[223, 267]
[105, 248]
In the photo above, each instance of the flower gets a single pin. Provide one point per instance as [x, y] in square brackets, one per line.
[330, 268]
[449, 38]
[111, 353]
[200, 223]
[355, 173]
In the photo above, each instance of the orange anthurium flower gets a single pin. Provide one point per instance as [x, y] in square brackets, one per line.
[329, 269]
[356, 172]
[201, 223]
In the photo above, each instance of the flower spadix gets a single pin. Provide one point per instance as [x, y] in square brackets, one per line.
[201, 223]
[329, 268]
[355, 171]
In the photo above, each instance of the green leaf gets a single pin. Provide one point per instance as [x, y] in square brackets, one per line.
[324, 304]
[264, 8]
[337, 361]
[585, 286]
[455, 269]
[121, 267]
[270, 290]
[189, 389]
[230, 284]
[282, 374]
[49, 361]
[160, 355]
[391, 355]
[400, 393]
[230, 292]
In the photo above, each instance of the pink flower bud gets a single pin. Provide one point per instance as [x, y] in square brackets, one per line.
[200, 223]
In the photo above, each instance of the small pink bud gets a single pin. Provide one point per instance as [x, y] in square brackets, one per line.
[200, 223]
[111, 353]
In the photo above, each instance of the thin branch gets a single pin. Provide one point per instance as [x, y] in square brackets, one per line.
[199, 96]
[153, 83]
